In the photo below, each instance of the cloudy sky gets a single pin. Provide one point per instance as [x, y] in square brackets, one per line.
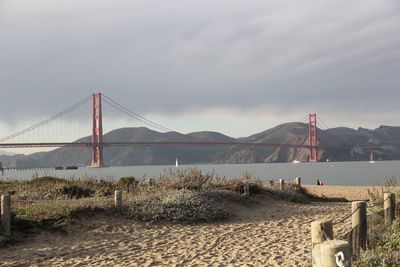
[238, 67]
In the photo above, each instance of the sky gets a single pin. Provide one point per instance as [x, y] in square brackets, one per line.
[237, 67]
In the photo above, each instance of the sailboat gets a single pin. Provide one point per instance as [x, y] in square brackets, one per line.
[176, 163]
[371, 158]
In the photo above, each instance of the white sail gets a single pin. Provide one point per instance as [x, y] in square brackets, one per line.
[371, 158]
[176, 163]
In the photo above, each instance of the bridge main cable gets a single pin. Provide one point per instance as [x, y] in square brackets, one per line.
[134, 115]
[52, 118]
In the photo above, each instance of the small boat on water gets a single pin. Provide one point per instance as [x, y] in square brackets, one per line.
[371, 158]
[71, 168]
[296, 162]
[176, 163]
[58, 168]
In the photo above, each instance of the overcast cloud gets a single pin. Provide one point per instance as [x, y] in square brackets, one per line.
[231, 66]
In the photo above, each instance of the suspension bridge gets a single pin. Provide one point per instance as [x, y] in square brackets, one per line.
[97, 143]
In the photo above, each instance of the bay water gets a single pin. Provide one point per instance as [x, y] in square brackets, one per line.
[331, 173]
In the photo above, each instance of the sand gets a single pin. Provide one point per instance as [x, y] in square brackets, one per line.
[350, 193]
[272, 233]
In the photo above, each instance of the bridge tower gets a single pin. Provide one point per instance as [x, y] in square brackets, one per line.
[97, 132]
[312, 137]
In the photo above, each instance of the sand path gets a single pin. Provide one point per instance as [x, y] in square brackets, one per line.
[276, 233]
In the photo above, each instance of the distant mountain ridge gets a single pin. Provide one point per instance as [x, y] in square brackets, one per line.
[342, 144]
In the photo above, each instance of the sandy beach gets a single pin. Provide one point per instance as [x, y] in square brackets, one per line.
[271, 233]
[350, 193]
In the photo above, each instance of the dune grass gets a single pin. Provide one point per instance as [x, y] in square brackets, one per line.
[188, 196]
[383, 241]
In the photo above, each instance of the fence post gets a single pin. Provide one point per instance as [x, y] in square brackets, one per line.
[6, 214]
[359, 226]
[389, 207]
[118, 199]
[335, 253]
[246, 190]
[297, 181]
[321, 231]
[281, 184]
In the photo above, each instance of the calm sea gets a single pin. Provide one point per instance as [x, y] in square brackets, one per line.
[334, 173]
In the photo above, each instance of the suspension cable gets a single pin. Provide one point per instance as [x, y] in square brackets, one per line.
[304, 120]
[52, 118]
[323, 122]
[134, 115]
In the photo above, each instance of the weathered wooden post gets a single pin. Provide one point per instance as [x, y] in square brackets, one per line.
[281, 184]
[246, 190]
[335, 253]
[389, 207]
[6, 214]
[321, 231]
[118, 199]
[297, 181]
[359, 226]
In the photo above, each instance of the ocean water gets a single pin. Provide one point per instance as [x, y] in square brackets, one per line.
[333, 173]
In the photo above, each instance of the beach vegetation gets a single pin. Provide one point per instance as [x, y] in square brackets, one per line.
[181, 196]
[383, 241]
[383, 248]
[182, 206]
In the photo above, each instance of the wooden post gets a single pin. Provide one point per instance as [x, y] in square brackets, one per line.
[6, 214]
[389, 207]
[118, 199]
[281, 184]
[335, 253]
[297, 181]
[321, 231]
[359, 226]
[246, 189]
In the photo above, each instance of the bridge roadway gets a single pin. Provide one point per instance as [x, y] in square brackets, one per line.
[151, 144]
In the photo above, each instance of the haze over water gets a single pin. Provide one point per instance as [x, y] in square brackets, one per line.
[331, 173]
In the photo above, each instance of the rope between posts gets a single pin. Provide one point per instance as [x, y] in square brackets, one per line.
[347, 217]
[386, 198]
[326, 236]
[342, 220]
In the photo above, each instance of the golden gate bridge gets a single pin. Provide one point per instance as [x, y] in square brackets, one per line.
[97, 144]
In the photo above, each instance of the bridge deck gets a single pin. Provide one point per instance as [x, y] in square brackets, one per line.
[152, 144]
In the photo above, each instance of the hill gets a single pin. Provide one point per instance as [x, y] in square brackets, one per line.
[340, 144]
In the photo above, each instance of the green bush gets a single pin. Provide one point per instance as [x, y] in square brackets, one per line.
[384, 249]
[292, 195]
[127, 183]
[183, 206]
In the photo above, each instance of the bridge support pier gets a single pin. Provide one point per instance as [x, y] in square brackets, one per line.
[97, 132]
[312, 137]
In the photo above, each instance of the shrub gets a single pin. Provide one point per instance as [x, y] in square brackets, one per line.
[292, 195]
[183, 206]
[383, 242]
[191, 178]
[126, 183]
[383, 252]
[74, 191]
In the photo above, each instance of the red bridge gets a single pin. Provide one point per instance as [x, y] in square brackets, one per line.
[97, 143]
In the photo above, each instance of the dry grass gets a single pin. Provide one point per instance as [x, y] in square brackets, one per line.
[177, 196]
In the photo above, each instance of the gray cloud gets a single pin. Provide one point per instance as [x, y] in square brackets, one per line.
[169, 56]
